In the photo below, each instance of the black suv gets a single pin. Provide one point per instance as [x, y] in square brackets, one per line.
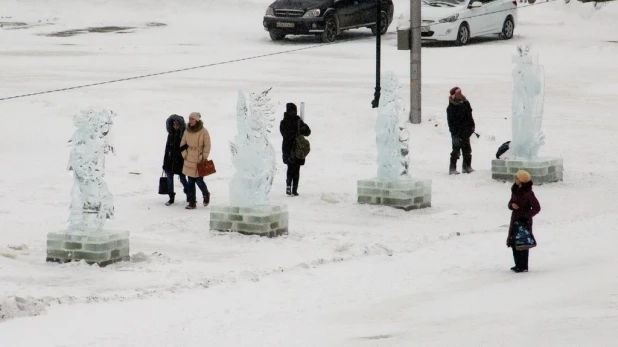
[324, 18]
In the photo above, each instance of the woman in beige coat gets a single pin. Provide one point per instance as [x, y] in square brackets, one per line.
[196, 148]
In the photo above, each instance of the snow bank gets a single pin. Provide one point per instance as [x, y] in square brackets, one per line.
[592, 19]
[16, 306]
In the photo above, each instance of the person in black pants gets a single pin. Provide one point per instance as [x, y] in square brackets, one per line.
[524, 206]
[172, 160]
[290, 127]
[461, 125]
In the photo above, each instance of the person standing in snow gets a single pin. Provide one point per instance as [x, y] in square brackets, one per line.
[172, 160]
[196, 148]
[461, 125]
[290, 127]
[524, 205]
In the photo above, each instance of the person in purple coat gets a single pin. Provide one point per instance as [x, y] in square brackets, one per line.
[525, 206]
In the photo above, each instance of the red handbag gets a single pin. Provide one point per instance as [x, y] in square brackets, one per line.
[206, 168]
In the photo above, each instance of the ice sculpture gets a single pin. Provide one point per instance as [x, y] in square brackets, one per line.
[253, 155]
[528, 99]
[91, 203]
[391, 135]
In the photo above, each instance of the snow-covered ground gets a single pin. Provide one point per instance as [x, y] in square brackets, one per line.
[347, 275]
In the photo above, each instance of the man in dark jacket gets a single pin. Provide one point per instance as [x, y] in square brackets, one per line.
[291, 126]
[172, 160]
[461, 125]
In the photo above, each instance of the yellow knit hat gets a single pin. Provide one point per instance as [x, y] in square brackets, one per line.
[523, 176]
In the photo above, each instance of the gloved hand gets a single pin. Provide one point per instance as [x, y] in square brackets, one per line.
[456, 141]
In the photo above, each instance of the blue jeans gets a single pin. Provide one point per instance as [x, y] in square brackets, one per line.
[170, 182]
[191, 193]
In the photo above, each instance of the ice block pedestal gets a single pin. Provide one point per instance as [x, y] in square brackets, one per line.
[98, 247]
[410, 194]
[269, 220]
[542, 170]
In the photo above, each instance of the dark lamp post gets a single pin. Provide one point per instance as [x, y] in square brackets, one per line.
[376, 96]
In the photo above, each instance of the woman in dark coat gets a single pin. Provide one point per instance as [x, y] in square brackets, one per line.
[290, 127]
[172, 160]
[524, 205]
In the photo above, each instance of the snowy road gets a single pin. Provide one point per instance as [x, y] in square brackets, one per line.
[347, 274]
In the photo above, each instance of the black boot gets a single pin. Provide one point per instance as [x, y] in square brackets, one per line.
[207, 199]
[288, 190]
[452, 170]
[467, 164]
[295, 190]
[171, 201]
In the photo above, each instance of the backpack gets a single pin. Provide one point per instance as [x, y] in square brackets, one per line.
[302, 147]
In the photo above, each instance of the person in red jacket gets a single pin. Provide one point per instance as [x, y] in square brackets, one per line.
[525, 206]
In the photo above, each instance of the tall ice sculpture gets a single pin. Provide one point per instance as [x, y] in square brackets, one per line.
[91, 201]
[254, 158]
[393, 185]
[527, 116]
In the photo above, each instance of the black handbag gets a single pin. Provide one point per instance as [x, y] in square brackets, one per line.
[163, 189]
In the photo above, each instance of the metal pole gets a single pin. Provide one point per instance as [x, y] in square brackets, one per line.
[376, 96]
[415, 61]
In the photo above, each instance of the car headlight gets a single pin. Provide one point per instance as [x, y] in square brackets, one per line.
[450, 19]
[313, 13]
[270, 11]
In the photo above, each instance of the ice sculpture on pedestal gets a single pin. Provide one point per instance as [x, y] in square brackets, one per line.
[92, 202]
[254, 158]
[391, 135]
[528, 99]
[253, 155]
[393, 186]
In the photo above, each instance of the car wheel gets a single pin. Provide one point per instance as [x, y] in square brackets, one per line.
[384, 23]
[276, 35]
[463, 35]
[330, 30]
[507, 29]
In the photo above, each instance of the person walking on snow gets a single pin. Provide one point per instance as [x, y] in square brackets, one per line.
[290, 127]
[196, 148]
[524, 205]
[461, 125]
[172, 160]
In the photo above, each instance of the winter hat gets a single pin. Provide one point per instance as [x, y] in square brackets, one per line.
[195, 115]
[290, 108]
[523, 176]
[454, 90]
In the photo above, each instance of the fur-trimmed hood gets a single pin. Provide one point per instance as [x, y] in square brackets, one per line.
[525, 187]
[457, 102]
[197, 127]
[169, 124]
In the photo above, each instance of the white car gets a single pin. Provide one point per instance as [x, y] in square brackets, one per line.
[460, 20]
